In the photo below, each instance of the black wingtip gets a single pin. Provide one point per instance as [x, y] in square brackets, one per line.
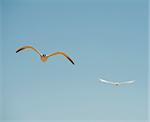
[73, 63]
[71, 60]
[19, 50]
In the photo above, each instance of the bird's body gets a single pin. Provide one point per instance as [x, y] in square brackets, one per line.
[116, 83]
[44, 57]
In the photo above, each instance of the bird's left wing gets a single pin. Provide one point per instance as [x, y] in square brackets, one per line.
[61, 53]
[28, 47]
[105, 81]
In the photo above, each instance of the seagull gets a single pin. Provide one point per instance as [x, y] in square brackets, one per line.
[44, 57]
[116, 83]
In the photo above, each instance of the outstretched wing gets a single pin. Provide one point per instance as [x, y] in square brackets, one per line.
[62, 53]
[127, 82]
[105, 81]
[28, 47]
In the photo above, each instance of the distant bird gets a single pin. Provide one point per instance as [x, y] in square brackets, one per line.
[117, 83]
[44, 57]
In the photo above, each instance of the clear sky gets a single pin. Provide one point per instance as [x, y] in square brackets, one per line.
[106, 39]
[1, 60]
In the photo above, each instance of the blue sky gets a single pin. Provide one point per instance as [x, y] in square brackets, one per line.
[1, 61]
[106, 39]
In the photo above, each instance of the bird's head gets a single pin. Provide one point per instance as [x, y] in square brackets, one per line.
[117, 84]
[44, 55]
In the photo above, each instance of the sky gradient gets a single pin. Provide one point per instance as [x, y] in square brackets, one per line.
[106, 39]
[1, 95]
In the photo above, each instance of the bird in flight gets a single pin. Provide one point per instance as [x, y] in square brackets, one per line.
[44, 57]
[117, 83]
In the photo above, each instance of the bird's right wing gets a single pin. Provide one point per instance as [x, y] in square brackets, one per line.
[127, 82]
[105, 81]
[61, 53]
[28, 47]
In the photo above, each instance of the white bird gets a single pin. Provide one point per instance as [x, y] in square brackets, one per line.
[117, 83]
[44, 57]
